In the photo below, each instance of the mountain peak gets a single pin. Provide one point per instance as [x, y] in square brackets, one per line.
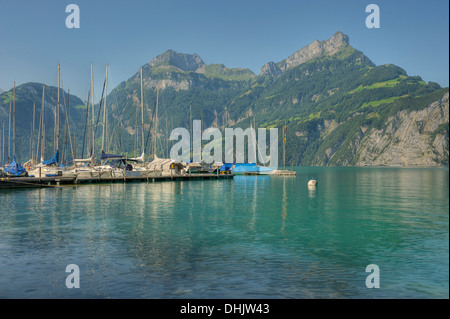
[337, 41]
[315, 49]
[185, 62]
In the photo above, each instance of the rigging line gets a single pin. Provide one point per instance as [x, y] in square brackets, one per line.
[39, 135]
[86, 122]
[109, 139]
[98, 115]
[150, 127]
[118, 114]
[64, 149]
[67, 130]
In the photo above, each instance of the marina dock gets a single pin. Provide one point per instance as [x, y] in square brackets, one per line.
[284, 173]
[56, 181]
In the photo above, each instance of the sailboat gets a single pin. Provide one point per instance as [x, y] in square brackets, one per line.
[119, 165]
[163, 166]
[84, 167]
[50, 167]
[135, 166]
[14, 169]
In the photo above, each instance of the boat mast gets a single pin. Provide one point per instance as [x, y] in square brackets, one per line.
[92, 104]
[167, 140]
[156, 120]
[68, 126]
[191, 147]
[14, 120]
[104, 110]
[32, 133]
[43, 125]
[57, 115]
[142, 115]
[9, 132]
[3, 143]
[39, 135]
[284, 146]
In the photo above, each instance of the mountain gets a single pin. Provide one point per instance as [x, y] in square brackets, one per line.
[334, 100]
[339, 107]
[338, 43]
[187, 88]
[29, 95]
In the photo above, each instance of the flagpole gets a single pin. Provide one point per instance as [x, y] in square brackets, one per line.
[284, 146]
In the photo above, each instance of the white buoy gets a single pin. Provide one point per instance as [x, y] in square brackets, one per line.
[312, 182]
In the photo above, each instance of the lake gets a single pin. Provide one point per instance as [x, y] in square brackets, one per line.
[247, 237]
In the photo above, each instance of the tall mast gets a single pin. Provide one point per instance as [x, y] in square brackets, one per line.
[191, 148]
[284, 146]
[3, 142]
[57, 115]
[92, 104]
[14, 119]
[156, 120]
[9, 132]
[32, 133]
[38, 136]
[104, 110]
[142, 115]
[167, 140]
[67, 124]
[42, 124]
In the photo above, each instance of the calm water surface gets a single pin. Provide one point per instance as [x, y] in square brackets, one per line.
[251, 237]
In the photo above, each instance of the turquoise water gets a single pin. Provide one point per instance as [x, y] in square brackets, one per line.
[251, 237]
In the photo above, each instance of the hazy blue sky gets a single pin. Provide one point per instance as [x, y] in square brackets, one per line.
[238, 33]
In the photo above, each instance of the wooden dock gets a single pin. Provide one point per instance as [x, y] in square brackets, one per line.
[284, 173]
[57, 181]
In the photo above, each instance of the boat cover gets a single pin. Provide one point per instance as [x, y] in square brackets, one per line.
[110, 156]
[15, 169]
[249, 168]
[226, 167]
[53, 160]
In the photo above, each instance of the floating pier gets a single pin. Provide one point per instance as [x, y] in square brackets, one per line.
[284, 173]
[56, 181]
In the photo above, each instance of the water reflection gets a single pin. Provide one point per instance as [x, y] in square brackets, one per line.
[254, 236]
[284, 206]
[312, 191]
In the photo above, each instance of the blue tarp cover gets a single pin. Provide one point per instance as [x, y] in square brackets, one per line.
[249, 168]
[226, 167]
[15, 169]
[53, 160]
[107, 156]
[245, 168]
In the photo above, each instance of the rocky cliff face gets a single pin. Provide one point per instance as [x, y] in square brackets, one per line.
[185, 62]
[315, 49]
[270, 69]
[416, 138]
